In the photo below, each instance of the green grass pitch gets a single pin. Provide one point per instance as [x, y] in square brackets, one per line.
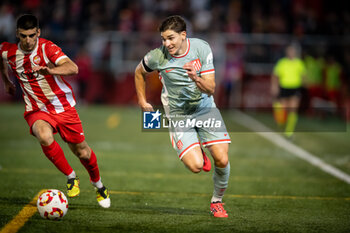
[270, 190]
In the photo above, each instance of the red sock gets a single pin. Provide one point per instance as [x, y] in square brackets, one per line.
[92, 167]
[55, 154]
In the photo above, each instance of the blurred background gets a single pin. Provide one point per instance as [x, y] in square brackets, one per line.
[108, 38]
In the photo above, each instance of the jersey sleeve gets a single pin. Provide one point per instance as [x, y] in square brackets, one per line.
[151, 60]
[206, 58]
[53, 53]
[3, 48]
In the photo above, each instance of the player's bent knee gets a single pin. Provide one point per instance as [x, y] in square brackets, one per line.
[81, 150]
[45, 137]
[222, 162]
[43, 132]
[195, 167]
[83, 153]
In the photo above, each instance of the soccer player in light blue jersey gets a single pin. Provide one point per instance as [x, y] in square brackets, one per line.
[186, 70]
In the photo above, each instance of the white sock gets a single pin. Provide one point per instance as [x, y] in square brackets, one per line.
[220, 178]
[216, 199]
[72, 175]
[97, 184]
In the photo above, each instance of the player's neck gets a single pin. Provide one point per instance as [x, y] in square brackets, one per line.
[183, 49]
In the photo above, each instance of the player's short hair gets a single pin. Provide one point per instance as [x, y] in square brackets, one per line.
[27, 22]
[175, 23]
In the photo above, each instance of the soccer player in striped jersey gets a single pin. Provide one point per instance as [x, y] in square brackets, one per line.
[186, 70]
[39, 65]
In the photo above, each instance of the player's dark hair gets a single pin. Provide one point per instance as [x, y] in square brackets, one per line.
[175, 23]
[27, 22]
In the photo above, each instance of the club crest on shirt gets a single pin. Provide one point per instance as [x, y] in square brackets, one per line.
[179, 144]
[197, 64]
[36, 60]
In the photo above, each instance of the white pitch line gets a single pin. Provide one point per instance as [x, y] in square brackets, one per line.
[280, 141]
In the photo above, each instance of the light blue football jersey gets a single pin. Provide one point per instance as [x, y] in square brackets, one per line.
[180, 94]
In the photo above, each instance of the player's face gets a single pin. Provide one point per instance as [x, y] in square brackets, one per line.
[174, 42]
[27, 38]
[291, 52]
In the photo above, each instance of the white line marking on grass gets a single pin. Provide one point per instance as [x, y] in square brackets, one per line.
[22, 217]
[278, 140]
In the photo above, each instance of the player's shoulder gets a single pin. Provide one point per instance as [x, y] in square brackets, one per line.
[198, 43]
[199, 46]
[48, 46]
[44, 41]
[160, 51]
[48, 43]
[6, 45]
[156, 54]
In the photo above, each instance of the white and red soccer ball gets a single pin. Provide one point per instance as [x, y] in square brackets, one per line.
[52, 204]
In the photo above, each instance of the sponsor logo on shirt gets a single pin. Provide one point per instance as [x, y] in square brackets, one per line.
[29, 75]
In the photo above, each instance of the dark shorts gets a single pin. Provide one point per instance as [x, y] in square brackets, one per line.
[286, 92]
[67, 124]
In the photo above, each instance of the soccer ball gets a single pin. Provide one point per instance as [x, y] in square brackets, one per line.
[52, 204]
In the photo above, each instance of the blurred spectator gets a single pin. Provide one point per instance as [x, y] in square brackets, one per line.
[31, 4]
[333, 81]
[314, 76]
[84, 63]
[96, 45]
[56, 25]
[126, 23]
[233, 16]
[258, 24]
[75, 11]
[231, 84]
[7, 23]
[276, 20]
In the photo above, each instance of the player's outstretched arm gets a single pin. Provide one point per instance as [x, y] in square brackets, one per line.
[9, 86]
[64, 67]
[140, 85]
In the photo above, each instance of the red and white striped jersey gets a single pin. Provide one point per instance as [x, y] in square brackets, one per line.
[49, 93]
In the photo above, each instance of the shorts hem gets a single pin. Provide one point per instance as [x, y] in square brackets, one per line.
[209, 143]
[183, 153]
